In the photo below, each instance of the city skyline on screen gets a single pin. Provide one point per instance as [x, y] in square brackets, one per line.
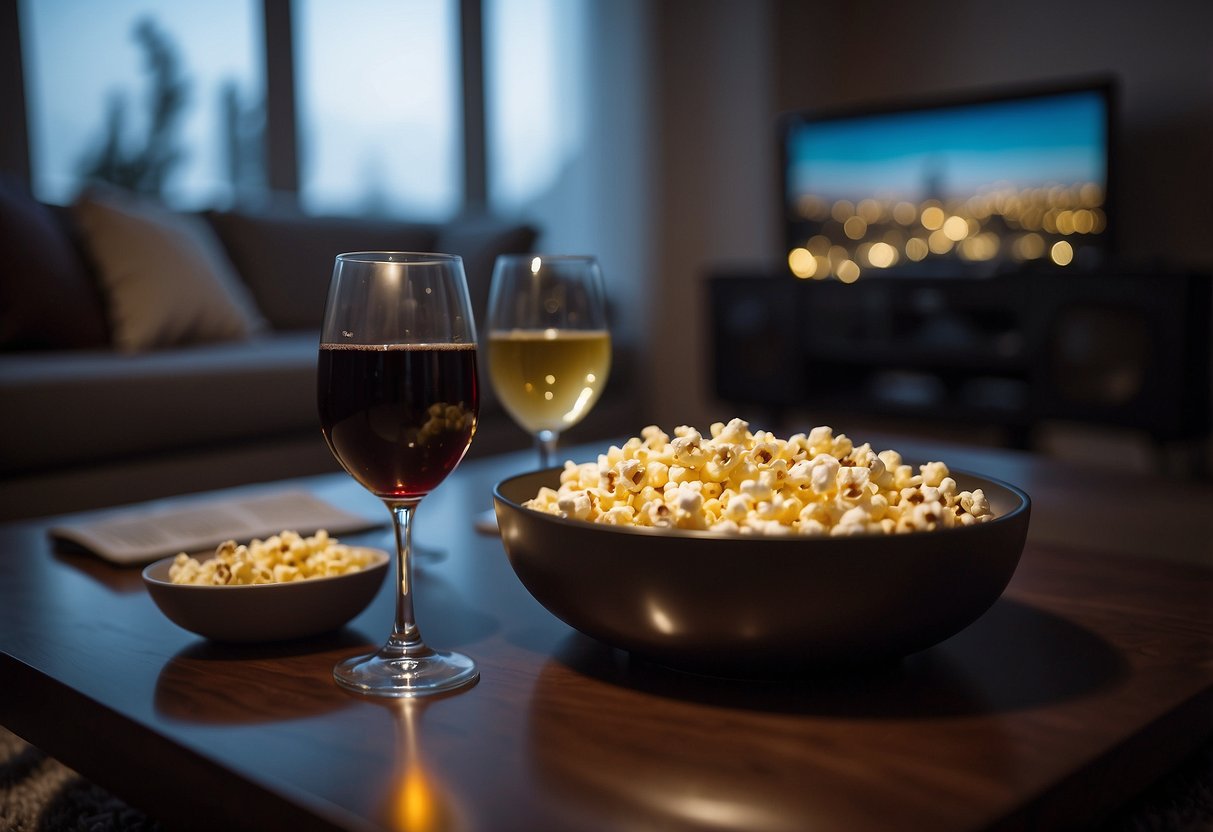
[952, 152]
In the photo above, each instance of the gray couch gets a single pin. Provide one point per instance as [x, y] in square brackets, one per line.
[87, 420]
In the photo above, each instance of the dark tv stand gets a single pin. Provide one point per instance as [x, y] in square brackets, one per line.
[1118, 348]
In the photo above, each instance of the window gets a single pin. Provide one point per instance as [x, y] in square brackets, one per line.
[535, 92]
[567, 112]
[170, 98]
[378, 96]
[162, 97]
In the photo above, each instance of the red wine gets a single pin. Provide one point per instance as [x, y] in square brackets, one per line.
[398, 417]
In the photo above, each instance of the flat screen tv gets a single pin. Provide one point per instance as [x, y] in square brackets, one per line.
[965, 186]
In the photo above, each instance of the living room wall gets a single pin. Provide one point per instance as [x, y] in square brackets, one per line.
[729, 68]
[715, 188]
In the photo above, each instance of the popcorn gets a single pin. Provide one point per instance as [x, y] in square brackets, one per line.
[734, 481]
[280, 558]
[576, 506]
[824, 472]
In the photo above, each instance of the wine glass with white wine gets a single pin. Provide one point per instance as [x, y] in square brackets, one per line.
[549, 347]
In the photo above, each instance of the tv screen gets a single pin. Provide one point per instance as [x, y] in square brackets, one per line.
[958, 187]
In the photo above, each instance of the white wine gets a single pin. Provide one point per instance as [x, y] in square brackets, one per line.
[548, 379]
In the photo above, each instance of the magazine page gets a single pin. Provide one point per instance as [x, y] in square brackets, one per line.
[141, 534]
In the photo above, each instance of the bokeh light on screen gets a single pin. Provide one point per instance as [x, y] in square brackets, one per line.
[802, 263]
[1062, 253]
[882, 255]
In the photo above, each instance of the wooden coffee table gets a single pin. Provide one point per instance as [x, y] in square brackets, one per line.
[1091, 677]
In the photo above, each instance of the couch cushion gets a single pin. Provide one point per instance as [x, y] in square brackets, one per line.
[72, 408]
[166, 278]
[286, 259]
[479, 242]
[48, 300]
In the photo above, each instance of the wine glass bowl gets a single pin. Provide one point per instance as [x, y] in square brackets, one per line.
[398, 397]
[379, 425]
[549, 346]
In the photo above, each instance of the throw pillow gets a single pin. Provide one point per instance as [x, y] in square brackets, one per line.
[165, 275]
[48, 300]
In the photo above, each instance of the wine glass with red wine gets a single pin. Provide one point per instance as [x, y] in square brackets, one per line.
[398, 400]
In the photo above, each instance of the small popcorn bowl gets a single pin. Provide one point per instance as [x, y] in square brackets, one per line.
[251, 613]
[749, 605]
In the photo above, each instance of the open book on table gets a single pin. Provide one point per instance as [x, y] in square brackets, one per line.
[144, 533]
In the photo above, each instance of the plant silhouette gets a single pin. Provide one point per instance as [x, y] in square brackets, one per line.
[146, 167]
[243, 124]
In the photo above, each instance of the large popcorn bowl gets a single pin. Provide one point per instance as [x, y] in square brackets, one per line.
[747, 605]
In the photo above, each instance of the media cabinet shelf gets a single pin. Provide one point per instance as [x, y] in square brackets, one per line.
[910, 356]
[1010, 350]
[947, 412]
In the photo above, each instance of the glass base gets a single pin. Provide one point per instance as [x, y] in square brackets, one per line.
[389, 673]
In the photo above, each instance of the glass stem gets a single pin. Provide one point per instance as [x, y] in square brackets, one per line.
[406, 638]
[545, 444]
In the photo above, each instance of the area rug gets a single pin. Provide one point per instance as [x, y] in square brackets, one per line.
[40, 794]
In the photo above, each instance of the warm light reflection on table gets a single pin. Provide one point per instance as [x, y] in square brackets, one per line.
[419, 801]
